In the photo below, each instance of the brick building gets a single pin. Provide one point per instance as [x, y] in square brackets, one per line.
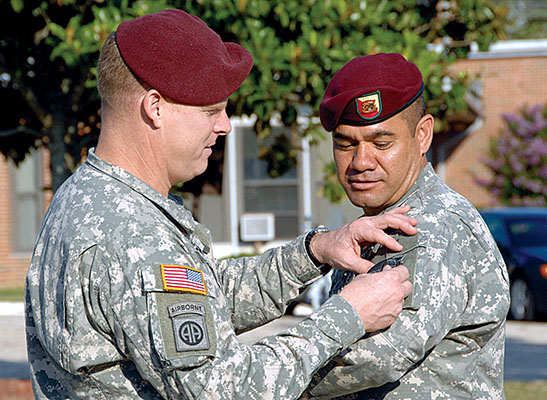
[509, 76]
[23, 202]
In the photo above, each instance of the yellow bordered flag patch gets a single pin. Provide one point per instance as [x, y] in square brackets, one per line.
[182, 278]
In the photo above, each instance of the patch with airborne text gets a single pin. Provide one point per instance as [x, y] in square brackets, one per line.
[189, 327]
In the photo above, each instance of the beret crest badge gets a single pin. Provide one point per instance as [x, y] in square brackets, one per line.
[369, 106]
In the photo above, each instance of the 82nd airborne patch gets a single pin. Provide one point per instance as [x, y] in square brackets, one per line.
[369, 106]
[189, 327]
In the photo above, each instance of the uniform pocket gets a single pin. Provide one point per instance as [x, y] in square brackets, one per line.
[407, 257]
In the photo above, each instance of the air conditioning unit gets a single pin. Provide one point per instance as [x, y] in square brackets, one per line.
[257, 227]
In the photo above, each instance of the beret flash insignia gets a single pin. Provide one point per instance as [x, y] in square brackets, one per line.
[369, 106]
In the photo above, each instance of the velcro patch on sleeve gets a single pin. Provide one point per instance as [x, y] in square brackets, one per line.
[189, 327]
[182, 278]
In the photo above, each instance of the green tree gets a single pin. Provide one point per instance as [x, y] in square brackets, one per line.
[49, 49]
[299, 45]
[527, 19]
[517, 160]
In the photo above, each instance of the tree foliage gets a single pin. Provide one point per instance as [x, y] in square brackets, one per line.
[517, 160]
[49, 50]
[527, 19]
[299, 45]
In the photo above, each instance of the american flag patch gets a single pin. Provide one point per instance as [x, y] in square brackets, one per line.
[180, 277]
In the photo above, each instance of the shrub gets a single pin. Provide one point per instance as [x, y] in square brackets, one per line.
[518, 160]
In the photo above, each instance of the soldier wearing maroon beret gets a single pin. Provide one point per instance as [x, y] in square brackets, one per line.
[124, 298]
[448, 341]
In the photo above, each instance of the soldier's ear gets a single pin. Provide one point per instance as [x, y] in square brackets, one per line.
[152, 108]
[424, 132]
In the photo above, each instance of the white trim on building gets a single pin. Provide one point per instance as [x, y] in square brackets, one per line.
[513, 48]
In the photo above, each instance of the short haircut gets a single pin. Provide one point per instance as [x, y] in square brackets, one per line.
[414, 113]
[115, 81]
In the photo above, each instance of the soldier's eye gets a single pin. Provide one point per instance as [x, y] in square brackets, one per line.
[343, 145]
[382, 145]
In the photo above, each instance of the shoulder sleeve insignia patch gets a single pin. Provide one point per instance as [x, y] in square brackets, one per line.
[182, 278]
[189, 327]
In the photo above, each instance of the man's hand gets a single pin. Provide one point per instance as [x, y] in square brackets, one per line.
[341, 248]
[378, 298]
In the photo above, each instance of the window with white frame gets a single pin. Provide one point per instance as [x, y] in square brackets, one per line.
[261, 193]
[26, 203]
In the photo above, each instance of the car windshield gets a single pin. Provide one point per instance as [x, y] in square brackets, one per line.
[528, 231]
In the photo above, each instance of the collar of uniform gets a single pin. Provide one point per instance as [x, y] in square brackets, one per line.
[173, 205]
[425, 175]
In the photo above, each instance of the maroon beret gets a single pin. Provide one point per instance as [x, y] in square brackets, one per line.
[370, 89]
[182, 58]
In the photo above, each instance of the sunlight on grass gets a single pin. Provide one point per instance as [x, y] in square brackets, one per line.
[12, 294]
[526, 390]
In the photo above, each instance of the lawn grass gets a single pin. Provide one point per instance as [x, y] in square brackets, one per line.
[526, 390]
[12, 294]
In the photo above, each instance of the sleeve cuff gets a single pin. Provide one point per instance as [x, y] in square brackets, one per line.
[325, 268]
[339, 321]
[302, 269]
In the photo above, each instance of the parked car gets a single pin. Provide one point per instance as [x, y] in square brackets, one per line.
[521, 235]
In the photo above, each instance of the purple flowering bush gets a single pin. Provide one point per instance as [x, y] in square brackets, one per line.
[518, 160]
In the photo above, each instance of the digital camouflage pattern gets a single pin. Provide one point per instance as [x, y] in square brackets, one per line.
[101, 324]
[448, 342]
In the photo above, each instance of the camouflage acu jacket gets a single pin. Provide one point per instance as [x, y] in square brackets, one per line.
[124, 300]
[448, 342]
